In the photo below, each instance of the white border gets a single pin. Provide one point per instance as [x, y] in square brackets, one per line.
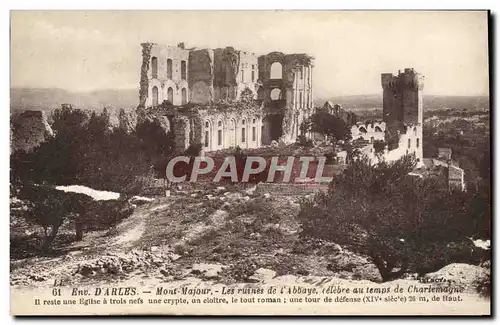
[206, 5]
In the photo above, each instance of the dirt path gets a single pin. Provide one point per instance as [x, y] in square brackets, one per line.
[131, 230]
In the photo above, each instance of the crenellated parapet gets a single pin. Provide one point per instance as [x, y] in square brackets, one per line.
[409, 80]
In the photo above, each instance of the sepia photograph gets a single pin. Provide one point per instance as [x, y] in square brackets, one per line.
[250, 162]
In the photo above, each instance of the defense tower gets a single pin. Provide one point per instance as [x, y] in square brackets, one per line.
[402, 97]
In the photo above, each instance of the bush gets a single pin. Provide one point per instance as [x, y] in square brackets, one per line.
[50, 208]
[303, 141]
[401, 222]
[86, 150]
[379, 146]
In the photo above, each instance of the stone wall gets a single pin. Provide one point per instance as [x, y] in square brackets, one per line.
[235, 71]
[144, 80]
[167, 74]
[291, 76]
[290, 189]
[181, 129]
[201, 76]
[236, 127]
[402, 97]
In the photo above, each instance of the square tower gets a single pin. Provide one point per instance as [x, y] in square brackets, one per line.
[402, 97]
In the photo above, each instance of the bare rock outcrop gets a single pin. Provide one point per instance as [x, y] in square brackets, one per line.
[29, 129]
[128, 120]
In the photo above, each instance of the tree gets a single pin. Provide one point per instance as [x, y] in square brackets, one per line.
[379, 146]
[50, 208]
[403, 223]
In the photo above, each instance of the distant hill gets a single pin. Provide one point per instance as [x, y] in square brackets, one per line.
[430, 101]
[46, 99]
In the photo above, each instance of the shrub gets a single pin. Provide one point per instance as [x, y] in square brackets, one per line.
[379, 146]
[400, 222]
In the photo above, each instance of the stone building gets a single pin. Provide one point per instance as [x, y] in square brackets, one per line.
[226, 97]
[446, 170]
[349, 117]
[403, 112]
[368, 131]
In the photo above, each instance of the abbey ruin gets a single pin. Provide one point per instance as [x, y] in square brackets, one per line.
[225, 97]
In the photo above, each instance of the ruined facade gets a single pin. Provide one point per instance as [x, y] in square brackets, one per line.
[240, 99]
[403, 112]
[166, 73]
[369, 131]
[349, 117]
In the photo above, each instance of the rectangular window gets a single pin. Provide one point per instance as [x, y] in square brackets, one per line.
[183, 70]
[219, 137]
[418, 142]
[206, 138]
[409, 143]
[253, 76]
[300, 100]
[253, 133]
[242, 134]
[301, 73]
[242, 75]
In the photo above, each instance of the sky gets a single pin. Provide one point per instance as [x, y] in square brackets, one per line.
[92, 50]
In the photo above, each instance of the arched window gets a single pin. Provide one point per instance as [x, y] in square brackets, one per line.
[184, 96]
[276, 71]
[275, 94]
[169, 68]
[219, 133]
[170, 95]
[154, 67]
[418, 142]
[183, 70]
[415, 130]
[155, 96]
